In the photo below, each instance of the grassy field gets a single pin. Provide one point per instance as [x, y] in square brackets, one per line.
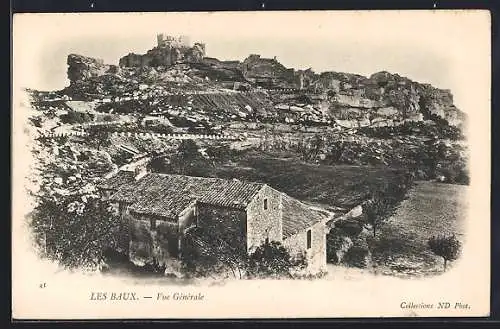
[431, 209]
[342, 186]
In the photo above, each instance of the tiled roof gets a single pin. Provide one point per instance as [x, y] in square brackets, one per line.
[167, 195]
[118, 180]
[297, 216]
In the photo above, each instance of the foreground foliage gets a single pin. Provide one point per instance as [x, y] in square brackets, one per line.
[444, 246]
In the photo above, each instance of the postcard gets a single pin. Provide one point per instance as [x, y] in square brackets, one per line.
[235, 165]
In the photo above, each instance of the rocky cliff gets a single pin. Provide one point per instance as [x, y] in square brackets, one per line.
[81, 68]
[354, 100]
[355, 97]
[267, 72]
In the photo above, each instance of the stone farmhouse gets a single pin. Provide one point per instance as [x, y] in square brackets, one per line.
[159, 209]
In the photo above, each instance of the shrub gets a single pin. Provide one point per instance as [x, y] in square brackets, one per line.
[74, 117]
[357, 256]
[121, 157]
[336, 247]
[108, 118]
[36, 121]
[447, 247]
[272, 260]
[351, 227]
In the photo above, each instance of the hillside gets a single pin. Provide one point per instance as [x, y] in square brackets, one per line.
[349, 100]
[384, 119]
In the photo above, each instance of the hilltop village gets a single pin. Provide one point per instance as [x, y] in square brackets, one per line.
[181, 145]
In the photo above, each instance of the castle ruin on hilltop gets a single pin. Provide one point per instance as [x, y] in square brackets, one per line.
[168, 51]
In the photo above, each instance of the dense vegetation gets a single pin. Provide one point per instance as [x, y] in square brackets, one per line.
[438, 128]
[74, 117]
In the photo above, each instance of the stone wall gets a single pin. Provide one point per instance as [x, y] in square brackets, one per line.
[159, 243]
[316, 255]
[263, 223]
[124, 232]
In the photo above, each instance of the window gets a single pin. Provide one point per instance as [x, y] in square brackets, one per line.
[309, 237]
[265, 204]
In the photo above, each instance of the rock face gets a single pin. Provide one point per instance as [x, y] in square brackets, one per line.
[351, 100]
[216, 70]
[81, 68]
[384, 95]
[267, 72]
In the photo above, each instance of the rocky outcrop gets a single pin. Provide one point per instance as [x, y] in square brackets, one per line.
[81, 68]
[165, 54]
[213, 69]
[356, 98]
[352, 100]
[267, 72]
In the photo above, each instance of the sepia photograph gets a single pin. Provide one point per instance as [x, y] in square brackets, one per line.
[285, 164]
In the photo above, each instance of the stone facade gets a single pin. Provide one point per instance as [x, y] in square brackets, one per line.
[264, 218]
[150, 238]
[316, 253]
[157, 239]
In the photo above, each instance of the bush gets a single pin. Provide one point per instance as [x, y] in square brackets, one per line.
[74, 117]
[455, 174]
[36, 121]
[350, 227]
[121, 157]
[272, 260]
[108, 118]
[358, 255]
[447, 247]
[336, 247]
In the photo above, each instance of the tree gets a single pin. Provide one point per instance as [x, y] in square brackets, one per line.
[98, 136]
[188, 159]
[121, 157]
[216, 244]
[70, 224]
[310, 149]
[377, 210]
[75, 231]
[444, 246]
[108, 118]
[158, 165]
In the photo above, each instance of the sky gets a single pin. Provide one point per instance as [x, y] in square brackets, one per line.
[448, 49]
